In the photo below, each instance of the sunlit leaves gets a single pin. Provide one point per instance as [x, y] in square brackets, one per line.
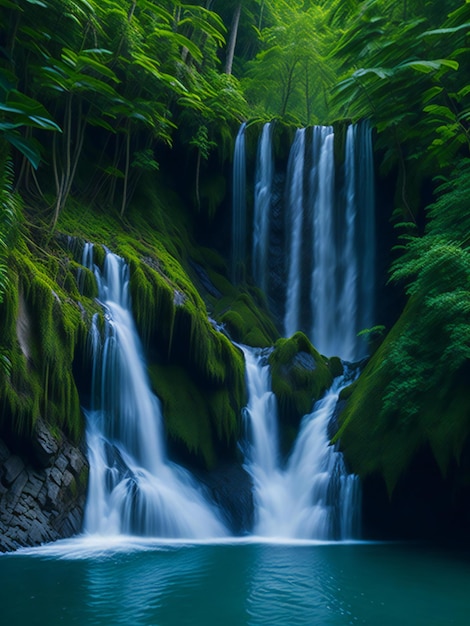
[290, 76]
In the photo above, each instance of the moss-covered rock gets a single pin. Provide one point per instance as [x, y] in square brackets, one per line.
[43, 324]
[300, 375]
[384, 442]
[202, 423]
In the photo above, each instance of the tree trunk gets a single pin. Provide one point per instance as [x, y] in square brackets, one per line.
[233, 39]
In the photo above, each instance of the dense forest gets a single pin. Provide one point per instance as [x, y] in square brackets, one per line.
[117, 126]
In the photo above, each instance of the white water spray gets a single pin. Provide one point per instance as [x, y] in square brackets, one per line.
[312, 496]
[133, 488]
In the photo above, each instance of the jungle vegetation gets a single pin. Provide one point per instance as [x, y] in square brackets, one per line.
[95, 97]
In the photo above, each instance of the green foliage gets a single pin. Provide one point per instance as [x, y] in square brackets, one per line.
[410, 79]
[412, 391]
[9, 218]
[436, 269]
[290, 76]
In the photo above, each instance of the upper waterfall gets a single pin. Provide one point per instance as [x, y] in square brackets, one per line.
[239, 206]
[323, 264]
[262, 207]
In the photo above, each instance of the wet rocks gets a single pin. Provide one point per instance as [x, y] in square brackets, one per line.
[42, 494]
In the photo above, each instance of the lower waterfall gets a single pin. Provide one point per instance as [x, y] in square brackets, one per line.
[133, 487]
[311, 496]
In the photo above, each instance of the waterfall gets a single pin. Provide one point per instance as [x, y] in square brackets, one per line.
[347, 308]
[327, 287]
[323, 289]
[133, 487]
[239, 206]
[294, 228]
[312, 496]
[262, 207]
[366, 243]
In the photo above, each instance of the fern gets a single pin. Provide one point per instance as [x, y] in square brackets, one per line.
[436, 271]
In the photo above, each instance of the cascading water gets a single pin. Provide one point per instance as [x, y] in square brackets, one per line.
[262, 207]
[294, 223]
[326, 288]
[323, 289]
[133, 488]
[366, 241]
[239, 206]
[312, 496]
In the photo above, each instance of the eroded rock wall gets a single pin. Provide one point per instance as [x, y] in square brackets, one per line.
[43, 492]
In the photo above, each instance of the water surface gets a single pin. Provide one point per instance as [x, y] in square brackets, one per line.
[235, 584]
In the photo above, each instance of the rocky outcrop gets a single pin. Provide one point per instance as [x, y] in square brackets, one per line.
[42, 492]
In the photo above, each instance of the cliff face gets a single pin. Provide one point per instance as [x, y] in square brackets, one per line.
[42, 490]
[45, 366]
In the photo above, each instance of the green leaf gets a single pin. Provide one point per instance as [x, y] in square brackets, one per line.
[441, 111]
[7, 80]
[381, 72]
[430, 66]
[463, 92]
[28, 148]
[432, 93]
[446, 31]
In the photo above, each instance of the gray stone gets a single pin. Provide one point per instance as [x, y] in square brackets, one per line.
[67, 479]
[42, 496]
[56, 475]
[40, 505]
[12, 467]
[6, 544]
[76, 461]
[45, 447]
[53, 491]
[37, 533]
[61, 463]
[33, 486]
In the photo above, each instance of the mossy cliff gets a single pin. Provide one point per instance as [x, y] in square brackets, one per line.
[180, 295]
[383, 438]
[195, 370]
[44, 327]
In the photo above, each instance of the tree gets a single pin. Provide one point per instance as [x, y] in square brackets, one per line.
[291, 76]
[412, 85]
[233, 39]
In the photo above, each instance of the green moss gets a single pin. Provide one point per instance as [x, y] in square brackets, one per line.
[384, 443]
[43, 325]
[246, 320]
[300, 375]
[171, 316]
[201, 419]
